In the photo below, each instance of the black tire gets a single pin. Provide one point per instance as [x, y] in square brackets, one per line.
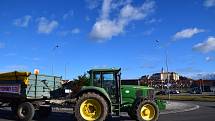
[91, 95]
[132, 110]
[25, 111]
[131, 113]
[151, 105]
[44, 111]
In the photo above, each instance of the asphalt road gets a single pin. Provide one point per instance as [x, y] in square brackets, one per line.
[206, 112]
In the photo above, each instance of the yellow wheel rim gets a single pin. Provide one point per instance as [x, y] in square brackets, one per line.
[90, 109]
[147, 112]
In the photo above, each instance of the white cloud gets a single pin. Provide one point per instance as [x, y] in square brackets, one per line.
[105, 9]
[153, 20]
[148, 32]
[208, 59]
[105, 28]
[91, 4]
[68, 14]
[119, 3]
[69, 32]
[207, 46]
[209, 3]
[187, 33]
[75, 31]
[46, 26]
[22, 22]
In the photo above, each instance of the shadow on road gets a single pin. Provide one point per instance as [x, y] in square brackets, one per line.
[7, 114]
[210, 106]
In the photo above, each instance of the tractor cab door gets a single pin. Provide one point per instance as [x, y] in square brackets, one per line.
[109, 84]
[106, 80]
[110, 81]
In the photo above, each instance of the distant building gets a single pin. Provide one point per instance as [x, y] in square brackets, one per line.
[205, 85]
[160, 80]
[165, 76]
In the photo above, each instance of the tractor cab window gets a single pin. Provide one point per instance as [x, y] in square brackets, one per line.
[97, 79]
[109, 83]
[108, 77]
[108, 80]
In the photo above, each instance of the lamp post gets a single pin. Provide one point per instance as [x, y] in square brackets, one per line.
[36, 72]
[167, 67]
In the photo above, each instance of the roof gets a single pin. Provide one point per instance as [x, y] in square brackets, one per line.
[13, 74]
[106, 69]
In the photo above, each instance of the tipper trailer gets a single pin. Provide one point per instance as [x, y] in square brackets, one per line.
[25, 92]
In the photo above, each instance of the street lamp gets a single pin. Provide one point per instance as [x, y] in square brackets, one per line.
[167, 67]
[36, 72]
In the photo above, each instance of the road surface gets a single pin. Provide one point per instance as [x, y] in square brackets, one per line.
[206, 112]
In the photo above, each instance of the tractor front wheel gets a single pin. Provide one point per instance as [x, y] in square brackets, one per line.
[91, 107]
[131, 113]
[147, 111]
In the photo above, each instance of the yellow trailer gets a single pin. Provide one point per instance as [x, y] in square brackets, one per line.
[25, 92]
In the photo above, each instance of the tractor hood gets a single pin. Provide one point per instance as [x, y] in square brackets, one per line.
[136, 87]
[131, 92]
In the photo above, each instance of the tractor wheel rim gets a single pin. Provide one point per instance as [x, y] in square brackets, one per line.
[90, 109]
[147, 112]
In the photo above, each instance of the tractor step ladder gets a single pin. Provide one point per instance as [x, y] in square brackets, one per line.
[116, 110]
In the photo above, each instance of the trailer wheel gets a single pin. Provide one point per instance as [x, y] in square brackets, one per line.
[25, 111]
[91, 107]
[147, 111]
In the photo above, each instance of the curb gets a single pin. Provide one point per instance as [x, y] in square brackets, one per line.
[182, 110]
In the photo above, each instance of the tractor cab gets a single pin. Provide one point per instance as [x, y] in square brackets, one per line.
[110, 80]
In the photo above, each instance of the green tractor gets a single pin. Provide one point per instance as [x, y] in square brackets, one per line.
[106, 96]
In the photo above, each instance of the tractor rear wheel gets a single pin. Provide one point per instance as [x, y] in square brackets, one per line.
[25, 111]
[147, 111]
[91, 107]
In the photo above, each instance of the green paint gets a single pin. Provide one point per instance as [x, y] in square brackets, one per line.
[105, 81]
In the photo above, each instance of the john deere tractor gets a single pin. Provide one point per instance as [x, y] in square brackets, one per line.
[105, 96]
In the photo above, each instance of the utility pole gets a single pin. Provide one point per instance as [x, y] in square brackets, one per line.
[200, 84]
[167, 68]
[203, 86]
[65, 71]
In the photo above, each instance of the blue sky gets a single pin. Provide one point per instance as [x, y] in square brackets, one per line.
[135, 35]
